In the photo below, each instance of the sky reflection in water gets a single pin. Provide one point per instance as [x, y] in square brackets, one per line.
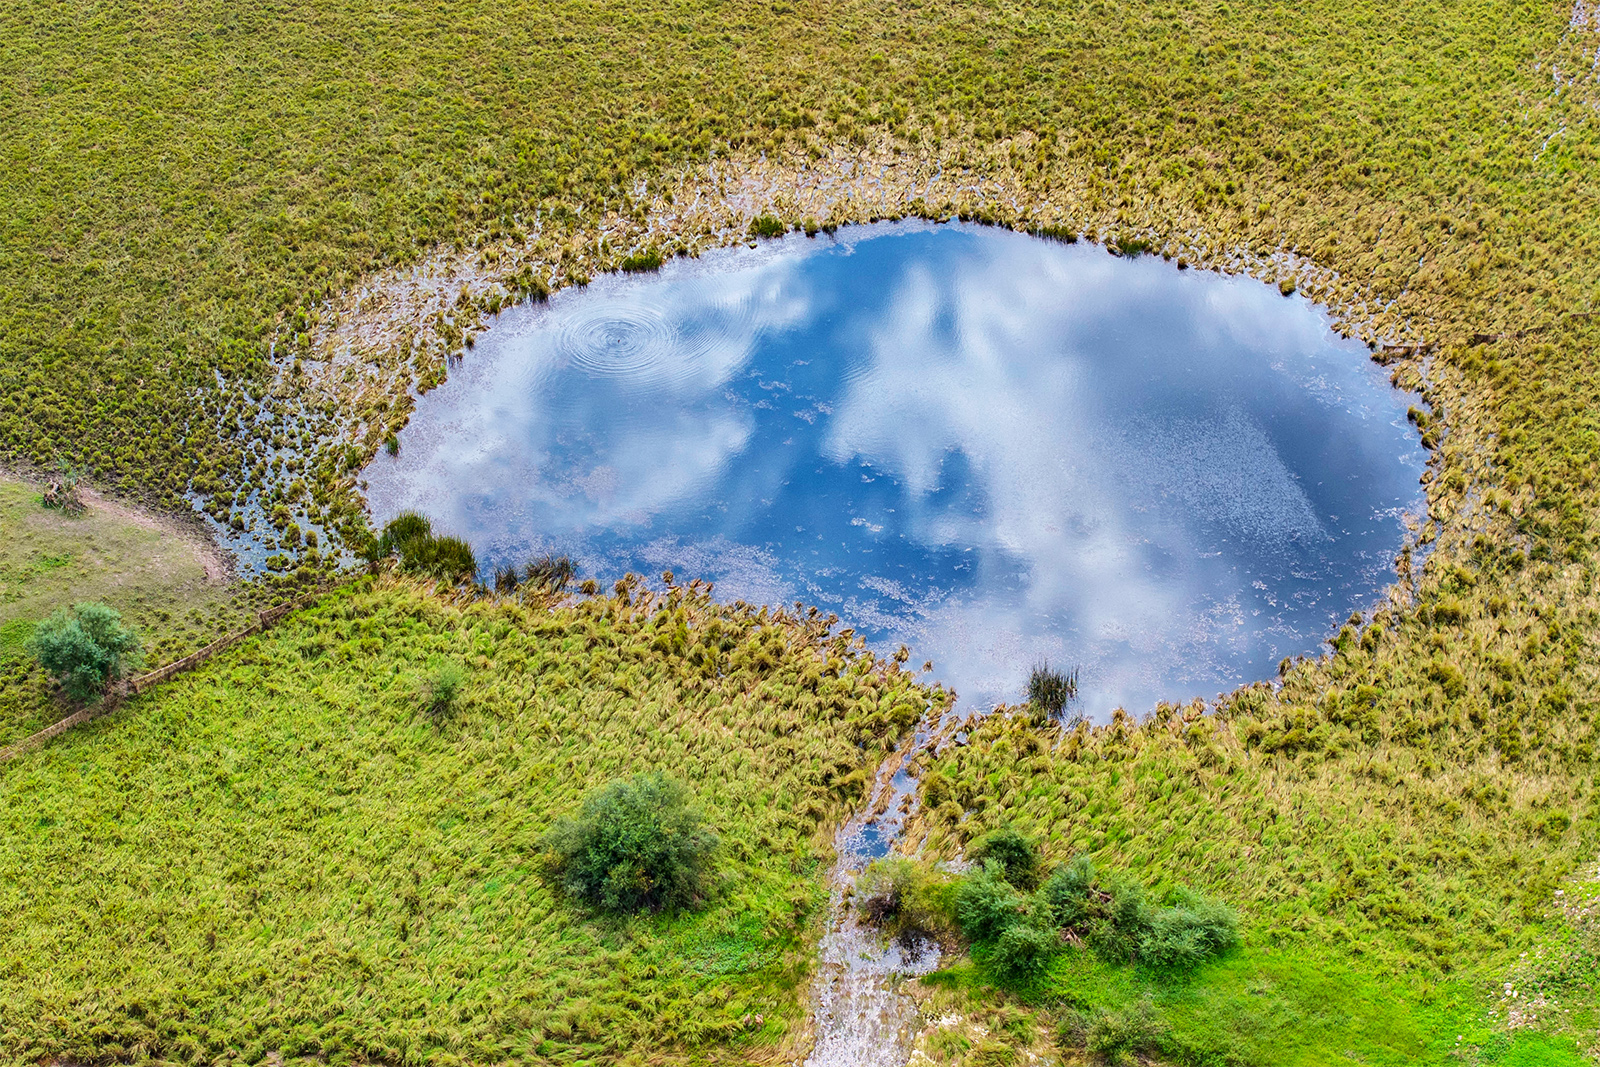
[993, 448]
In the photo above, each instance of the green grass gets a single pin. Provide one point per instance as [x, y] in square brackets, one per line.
[1285, 1009]
[186, 186]
[1423, 861]
[283, 851]
[49, 560]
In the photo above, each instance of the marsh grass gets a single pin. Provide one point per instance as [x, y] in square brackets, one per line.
[1050, 691]
[641, 262]
[316, 855]
[411, 540]
[767, 226]
[1418, 163]
[550, 572]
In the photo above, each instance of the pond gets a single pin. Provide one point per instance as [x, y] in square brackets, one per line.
[995, 449]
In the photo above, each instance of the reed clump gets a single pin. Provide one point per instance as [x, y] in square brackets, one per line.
[409, 539]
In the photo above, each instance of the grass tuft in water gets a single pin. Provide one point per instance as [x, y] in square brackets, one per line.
[1051, 690]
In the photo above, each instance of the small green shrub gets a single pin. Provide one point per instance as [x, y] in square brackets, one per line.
[1066, 893]
[1023, 951]
[986, 904]
[1017, 856]
[1188, 932]
[635, 845]
[62, 492]
[440, 692]
[1116, 1035]
[1119, 917]
[766, 226]
[84, 650]
[1116, 917]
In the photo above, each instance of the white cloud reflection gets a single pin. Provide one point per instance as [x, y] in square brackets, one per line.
[995, 449]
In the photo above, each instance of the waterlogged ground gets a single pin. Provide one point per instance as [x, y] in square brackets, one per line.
[993, 448]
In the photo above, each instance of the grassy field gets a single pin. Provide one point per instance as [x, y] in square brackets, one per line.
[282, 852]
[157, 578]
[1255, 1007]
[187, 187]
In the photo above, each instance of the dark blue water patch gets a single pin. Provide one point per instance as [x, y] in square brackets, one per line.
[993, 448]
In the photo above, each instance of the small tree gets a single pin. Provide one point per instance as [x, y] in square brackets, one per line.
[635, 845]
[85, 650]
[1017, 855]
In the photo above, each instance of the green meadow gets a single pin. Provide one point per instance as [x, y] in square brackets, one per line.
[283, 852]
[49, 560]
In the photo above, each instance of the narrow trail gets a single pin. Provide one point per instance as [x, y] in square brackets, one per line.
[863, 1016]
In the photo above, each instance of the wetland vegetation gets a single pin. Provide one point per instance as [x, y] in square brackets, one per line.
[235, 240]
[320, 867]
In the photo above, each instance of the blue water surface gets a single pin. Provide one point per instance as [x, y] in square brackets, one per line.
[993, 448]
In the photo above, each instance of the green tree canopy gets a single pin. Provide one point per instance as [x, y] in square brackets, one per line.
[635, 845]
[85, 650]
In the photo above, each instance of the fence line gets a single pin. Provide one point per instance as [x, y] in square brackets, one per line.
[140, 683]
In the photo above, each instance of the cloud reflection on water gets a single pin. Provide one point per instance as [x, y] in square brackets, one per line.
[991, 447]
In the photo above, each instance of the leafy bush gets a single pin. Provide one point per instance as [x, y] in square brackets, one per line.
[1116, 1036]
[1065, 894]
[986, 904]
[1189, 932]
[1017, 856]
[900, 896]
[636, 845]
[1119, 917]
[84, 650]
[1023, 951]
[1116, 917]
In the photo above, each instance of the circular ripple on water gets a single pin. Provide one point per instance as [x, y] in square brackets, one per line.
[617, 339]
[646, 342]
